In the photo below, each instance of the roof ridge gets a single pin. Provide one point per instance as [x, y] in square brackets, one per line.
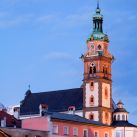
[55, 91]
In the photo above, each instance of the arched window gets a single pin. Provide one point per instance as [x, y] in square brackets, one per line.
[92, 68]
[92, 86]
[118, 117]
[123, 117]
[99, 47]
[92, 100]
[105, 70]
[91, 116]
[126, 117]
[106, 93]
[106, 116]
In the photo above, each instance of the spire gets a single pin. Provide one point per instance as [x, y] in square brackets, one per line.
[97, 33]
[98, 9]
[98, 20]
[97, 4]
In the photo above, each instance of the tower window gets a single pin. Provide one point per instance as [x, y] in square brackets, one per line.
[106, 93]
[106, 116]
[99, 47]
[92, 68]
[91, 116]
[92, 86]
[92, 100]
[105, 70]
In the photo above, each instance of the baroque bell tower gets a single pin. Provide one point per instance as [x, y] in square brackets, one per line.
[97, 60]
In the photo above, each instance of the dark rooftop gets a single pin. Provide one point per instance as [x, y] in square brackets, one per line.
[73, 118]
[57, 101]
[120, 110]
[122, 124]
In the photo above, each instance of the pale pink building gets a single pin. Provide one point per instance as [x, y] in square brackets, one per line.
[59, 125]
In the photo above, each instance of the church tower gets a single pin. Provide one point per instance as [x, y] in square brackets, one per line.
[97, 60]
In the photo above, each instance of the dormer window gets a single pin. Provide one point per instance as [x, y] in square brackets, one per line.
[71, 109]
[43, 109]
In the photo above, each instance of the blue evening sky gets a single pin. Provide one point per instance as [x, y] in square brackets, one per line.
[41, 42]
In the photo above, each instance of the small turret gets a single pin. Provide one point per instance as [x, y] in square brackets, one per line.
[120, 113]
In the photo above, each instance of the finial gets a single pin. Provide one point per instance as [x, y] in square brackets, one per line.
[97, 4]
[98, 9]
[29, 86]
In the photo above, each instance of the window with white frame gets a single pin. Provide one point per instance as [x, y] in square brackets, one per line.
[85, 133]
[96, 134]
[106, 135]
[66, 130]
[118, 134]
[55, 129]
[75, 131]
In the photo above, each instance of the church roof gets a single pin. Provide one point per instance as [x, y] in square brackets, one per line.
[57, 101]
[120, 110]
[122, 124]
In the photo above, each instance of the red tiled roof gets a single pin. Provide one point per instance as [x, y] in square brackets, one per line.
[11, 121]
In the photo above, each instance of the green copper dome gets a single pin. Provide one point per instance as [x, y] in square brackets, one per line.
[97, 33]
[98, 36]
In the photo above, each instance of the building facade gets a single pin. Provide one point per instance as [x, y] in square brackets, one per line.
[61, 125]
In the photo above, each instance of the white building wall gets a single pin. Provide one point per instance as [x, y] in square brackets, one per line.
[125, 132]
[90, 93]
[105, 102]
